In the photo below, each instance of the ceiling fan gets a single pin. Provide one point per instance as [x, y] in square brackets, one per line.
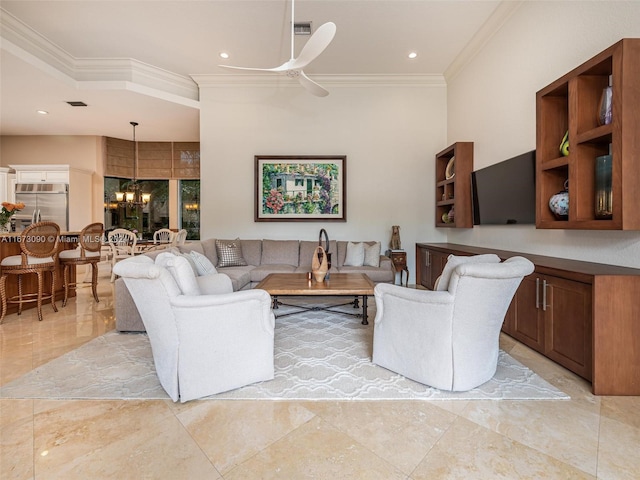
[293, 67]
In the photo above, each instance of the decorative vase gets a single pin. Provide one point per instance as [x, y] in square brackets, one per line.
[5, 227]
[604, 196]
[559, 203]
[319, 265]
[604, 115]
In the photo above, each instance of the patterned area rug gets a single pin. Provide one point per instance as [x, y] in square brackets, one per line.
[318, 356]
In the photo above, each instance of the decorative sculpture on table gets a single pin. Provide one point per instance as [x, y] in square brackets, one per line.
[395, 238]
[325, 253]
[319, 266]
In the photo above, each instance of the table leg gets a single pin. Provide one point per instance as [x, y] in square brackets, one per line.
[364, 310]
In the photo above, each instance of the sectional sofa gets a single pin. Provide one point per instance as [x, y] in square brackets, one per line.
[262, 257]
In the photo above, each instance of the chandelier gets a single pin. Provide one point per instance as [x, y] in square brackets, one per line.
[133, 197]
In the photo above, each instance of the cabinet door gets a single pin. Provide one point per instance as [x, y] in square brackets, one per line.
[431, 265]
[30, 176]
[568, 324]
[528, 318]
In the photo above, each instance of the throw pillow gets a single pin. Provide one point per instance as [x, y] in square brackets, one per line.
[372, 255]
[202, 263]
[192, 264]
[355, 255]
[179, 268]
[453, 261]
[230, 253]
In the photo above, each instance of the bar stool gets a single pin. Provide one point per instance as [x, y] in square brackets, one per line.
[39, 254]
[87, 253]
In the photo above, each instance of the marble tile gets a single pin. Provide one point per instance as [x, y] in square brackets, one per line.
[470, 451]
[557, 428]
[619, 450]
[622, 409]
[576, 387]
[291, 440]
[16, 439]
[114, 439]
[399, 432]
[315, 450]
[230, 432]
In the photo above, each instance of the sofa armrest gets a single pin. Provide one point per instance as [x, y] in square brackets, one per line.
[127, 316]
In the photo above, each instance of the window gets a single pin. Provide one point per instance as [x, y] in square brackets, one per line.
[189, 191]
[146, 218]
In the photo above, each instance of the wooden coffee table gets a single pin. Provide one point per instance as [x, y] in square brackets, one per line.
[339, 284]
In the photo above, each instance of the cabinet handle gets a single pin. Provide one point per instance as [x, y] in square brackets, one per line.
[544, 295]
[428, 259]
[537, 293]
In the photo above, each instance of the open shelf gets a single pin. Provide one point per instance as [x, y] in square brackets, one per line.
[571, 104]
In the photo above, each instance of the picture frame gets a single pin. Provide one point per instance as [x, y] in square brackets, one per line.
[306, 188]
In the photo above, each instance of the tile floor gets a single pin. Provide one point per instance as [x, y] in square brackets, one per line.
[585, 438]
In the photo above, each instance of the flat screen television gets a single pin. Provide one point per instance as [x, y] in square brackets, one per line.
[505, 193]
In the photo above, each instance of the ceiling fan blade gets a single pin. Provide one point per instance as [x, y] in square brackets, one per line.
[282, 68]
[311, 86]
[315, 45]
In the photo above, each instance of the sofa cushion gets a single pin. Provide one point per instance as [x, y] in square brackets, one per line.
[181, 271]
[191, 246]
[230, 253]
[355, 255]
[260, 273]
[372, 254]
[240, 276]
[280, 252]
[209, 248]
[202, 263]
[252, 251]
[215, 284]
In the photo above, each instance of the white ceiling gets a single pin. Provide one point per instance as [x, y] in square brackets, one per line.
[132, 60]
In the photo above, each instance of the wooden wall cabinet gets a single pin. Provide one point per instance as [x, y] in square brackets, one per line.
[571, 104]
[454, 192]
[582, 315]
[429, 266]
[553, 316]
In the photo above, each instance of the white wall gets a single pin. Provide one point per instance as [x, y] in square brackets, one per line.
[389, 135]
[491, 102]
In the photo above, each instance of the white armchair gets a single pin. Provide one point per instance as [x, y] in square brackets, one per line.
[202, 344]
[447, 339]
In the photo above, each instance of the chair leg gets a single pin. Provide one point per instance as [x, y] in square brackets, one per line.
[40, 282]
[53, 291]
[3, 295]
[94, 281]
[113, 275]
[19, 294]
[65, 280]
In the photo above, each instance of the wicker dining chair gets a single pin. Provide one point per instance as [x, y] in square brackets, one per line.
[123, 245]
[87, 253]
[180, 237]
[162, 236]
[39, 254]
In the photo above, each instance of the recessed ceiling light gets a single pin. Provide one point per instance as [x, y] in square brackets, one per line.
[412, 55]
[42, 112]
[224, 55]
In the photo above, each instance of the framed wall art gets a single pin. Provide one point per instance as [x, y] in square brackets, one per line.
[300, 188]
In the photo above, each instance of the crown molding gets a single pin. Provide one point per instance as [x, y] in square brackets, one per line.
[30, 46]
[271, 79]
[500, 15]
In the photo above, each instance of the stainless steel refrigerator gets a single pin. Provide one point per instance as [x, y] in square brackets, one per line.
[43, 202]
